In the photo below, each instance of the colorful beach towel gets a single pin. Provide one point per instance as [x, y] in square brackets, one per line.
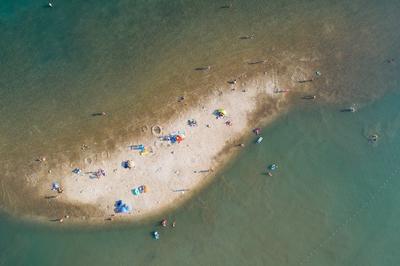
[139, 190]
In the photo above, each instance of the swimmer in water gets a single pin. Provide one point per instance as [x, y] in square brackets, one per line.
[164, 223]
[373, 138]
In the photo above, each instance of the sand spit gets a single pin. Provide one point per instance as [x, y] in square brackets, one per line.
[171, 172]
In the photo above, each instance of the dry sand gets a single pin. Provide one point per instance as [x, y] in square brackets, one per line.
[171, 172]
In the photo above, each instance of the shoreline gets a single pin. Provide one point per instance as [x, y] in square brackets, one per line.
[252, 99]
[191, 166]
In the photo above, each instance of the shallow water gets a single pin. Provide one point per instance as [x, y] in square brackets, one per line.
[132, 59]
[332, 201]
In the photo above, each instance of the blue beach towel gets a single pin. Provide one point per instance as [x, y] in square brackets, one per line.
[121, 207]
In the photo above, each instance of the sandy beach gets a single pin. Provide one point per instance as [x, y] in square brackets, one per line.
[171, 172]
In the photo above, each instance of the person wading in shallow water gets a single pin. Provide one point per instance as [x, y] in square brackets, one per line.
[373, 138]
[164, 223]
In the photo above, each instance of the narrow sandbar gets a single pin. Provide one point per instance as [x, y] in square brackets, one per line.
[171, 172]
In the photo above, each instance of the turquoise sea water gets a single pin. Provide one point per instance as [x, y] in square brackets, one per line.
[332, 201]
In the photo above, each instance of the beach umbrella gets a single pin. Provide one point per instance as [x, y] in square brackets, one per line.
[222, 111]
[179, 138]
[130, 164]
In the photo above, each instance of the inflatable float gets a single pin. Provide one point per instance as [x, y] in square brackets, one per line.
[273, 167]
[156, 235]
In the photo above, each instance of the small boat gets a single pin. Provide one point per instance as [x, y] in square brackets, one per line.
[349, 109]
[309, 97]
[259, 140]
[156, 235]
